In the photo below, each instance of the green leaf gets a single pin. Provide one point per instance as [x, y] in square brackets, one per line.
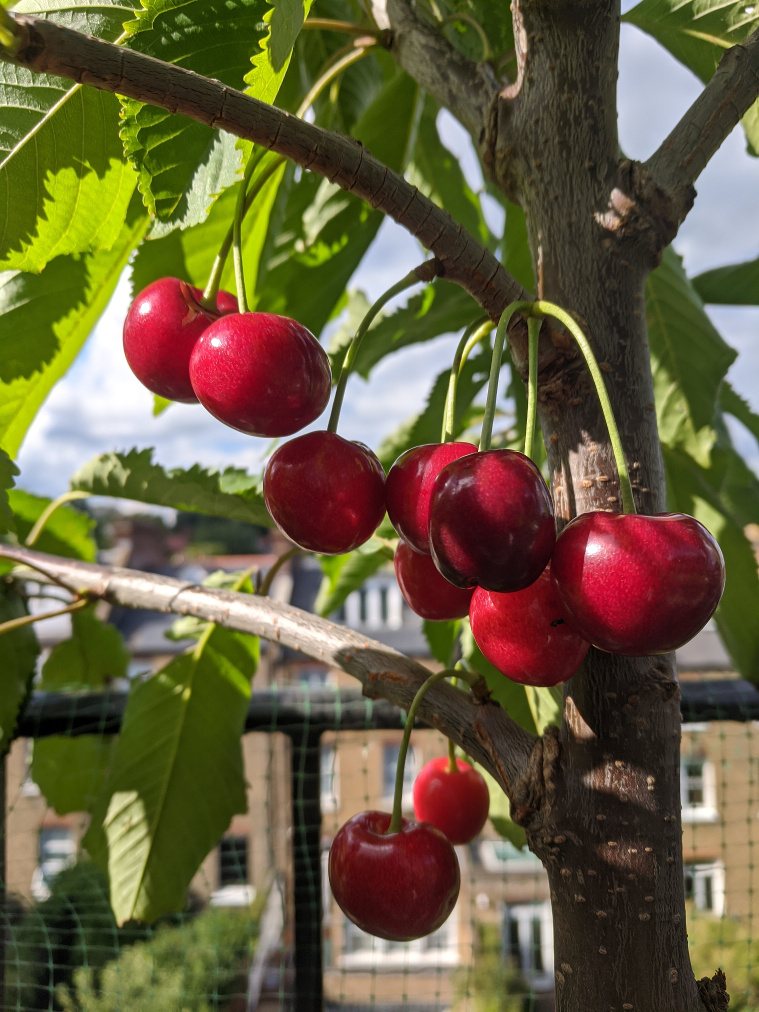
[511, 695]
[733, 404]
[177, 776]
[92, 658]
[500, 813]
[284, 21]
[232, 493]
[19, 651]
[59, 146]
[8, 470]
[441, 637]
[183, 165]
[52, 315]
[736, 285]
[68, 532]
[546, 705]
[345, 573]
[689, 360]
[70, 772]
[697, 33]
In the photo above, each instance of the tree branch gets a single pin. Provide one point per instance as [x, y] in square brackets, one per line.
[43, 46]
[683, 156]
[469, 90]
[482, 728]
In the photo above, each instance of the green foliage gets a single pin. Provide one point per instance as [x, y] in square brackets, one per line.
[67, 531]
[345, 573]
[177, 778]
[232, 493]
[735, 285]
[697, 33]
[19, 649]
[8, 471]
[491, 983]
[195, 967]
[731, 944]
[283, 21]
[441, 638]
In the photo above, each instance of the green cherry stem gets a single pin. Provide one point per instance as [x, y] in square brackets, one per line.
[17, 623]
[424, 272]
[533, 331]
[267, 581]
[242, 302]
[495, 369]
[472, 336]
[625, 487]
[48, 511]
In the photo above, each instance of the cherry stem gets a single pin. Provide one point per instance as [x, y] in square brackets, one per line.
[242, 302]
[344, 27]
[267, 581]
[549, 309]
[487, 52]
[396, 819]
[209, 295]
[495, 369]
[533, 331]
[472, 336]
[48, 511]
[424, 272]
[17, 623]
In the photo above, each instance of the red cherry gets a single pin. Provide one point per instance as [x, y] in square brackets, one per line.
[424, 590]
[261, 373]
[526, 635]
[638, 585]
[491, 521]
[160, 330]
[456, 801]
[409, 488]
[326, 493]
[398, 886]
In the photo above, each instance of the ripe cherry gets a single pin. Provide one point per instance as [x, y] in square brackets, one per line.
[424, 590]
[526, 634]
[638, 585]
[455, 800]
[491, 521]
[398, 886]
[326, 493]
[261, 373]
[161, 329]
[409, 488]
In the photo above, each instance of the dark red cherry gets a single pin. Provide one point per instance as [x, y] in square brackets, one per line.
[525, 634]
[409, 488]
[161, 329]
[491, 521]
[457, 801]
[398, 886]
[326, 493]
[261, 373]
[638, 585]
[424, 589]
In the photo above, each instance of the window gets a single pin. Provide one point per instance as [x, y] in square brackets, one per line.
[502, 856]
[57, 850]
[528, 940]
[389, 766]
[363, 951]
[705, 885]
[328, 778]
[377, 605]
[233, 860]
[698, 790]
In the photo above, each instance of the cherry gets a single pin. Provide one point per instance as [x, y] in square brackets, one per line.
[398, 886]
[260, 373]
[409, 488]
[161, 329]
[491, 521]
[424, 590]
[526, 634]
[326, 493]
[638, 585]
[456, 801]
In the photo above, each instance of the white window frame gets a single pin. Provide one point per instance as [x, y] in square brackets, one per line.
[715, 870]
[379, 954]
[524, 914]
[329, 799]
[371, 596]
[706, 810]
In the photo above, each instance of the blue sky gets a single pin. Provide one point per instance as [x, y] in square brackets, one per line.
[100, 406]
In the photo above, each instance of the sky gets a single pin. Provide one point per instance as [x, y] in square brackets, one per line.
[99, 406]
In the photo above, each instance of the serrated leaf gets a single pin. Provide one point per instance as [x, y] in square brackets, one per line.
[697, 33]
[441, 638]
[284, 20]
[232, 493]
[68, 532]
[8, 471]
[64, 139]
[736, 285]
[733, 404]
[19, 650]
[66, 303]
[689, 360]
[511, 695]
[183, 165]
[345, 573]
[177, 776]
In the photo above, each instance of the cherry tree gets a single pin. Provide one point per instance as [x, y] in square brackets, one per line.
[121, 122]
